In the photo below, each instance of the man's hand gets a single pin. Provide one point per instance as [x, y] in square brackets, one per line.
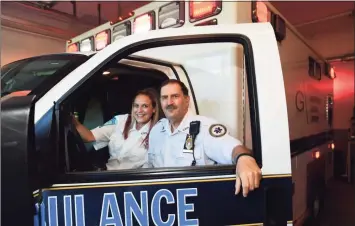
[248, 175]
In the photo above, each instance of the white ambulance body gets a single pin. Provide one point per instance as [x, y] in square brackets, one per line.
[308, 93]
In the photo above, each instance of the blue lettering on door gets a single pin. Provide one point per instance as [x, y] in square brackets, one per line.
[134, 211]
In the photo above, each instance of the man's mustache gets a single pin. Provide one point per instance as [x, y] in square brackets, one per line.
[171, 107]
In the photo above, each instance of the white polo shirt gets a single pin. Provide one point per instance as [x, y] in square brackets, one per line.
[124, 154]
[212, 144]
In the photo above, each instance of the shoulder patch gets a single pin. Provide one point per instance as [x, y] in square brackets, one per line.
[217, 130]
[113, 121]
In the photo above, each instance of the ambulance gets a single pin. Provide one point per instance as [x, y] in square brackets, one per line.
[244, 65]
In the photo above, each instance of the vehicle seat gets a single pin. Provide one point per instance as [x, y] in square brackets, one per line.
[94, 117]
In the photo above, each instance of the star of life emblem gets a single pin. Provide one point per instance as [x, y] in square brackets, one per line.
[217, 130]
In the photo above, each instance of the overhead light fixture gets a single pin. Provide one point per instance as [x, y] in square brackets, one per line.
[329, 71]
[106, 73]
[45, 4]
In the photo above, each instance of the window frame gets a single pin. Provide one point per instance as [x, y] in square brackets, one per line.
[172, 68]
[175, 172]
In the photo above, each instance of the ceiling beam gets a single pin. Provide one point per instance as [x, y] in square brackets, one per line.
[331, 17]
[344, 57]
[41, 21]
[34, 27]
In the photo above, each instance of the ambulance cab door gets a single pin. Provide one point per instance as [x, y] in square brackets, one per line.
[20, 163]
[271, 204]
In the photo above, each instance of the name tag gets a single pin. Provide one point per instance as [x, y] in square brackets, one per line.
[187, 151]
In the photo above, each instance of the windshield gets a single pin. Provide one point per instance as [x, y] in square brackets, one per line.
[30, 74]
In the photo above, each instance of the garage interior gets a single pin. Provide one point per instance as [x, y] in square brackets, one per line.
[327, 26]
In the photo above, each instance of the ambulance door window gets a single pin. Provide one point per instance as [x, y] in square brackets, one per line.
[101, 103]
[217, 76]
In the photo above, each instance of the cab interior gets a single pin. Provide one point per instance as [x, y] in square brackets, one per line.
[108, 93]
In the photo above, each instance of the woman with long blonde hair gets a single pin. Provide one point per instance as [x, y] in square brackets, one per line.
[126, 135]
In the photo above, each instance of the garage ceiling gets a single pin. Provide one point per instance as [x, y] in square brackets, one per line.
[318, 17]
[299, 12]
[88, 11]
[327, 26]
[312, 19]
[304, 15]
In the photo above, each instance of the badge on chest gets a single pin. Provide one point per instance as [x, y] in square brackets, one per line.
[194, 129]
[189, 144]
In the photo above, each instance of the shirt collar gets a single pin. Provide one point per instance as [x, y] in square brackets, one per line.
[184, 125]
[143, 131]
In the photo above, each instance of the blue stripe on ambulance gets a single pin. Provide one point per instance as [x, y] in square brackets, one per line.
[185, 202]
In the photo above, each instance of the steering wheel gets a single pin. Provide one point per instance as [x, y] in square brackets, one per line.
[77, 138]
[75, 144]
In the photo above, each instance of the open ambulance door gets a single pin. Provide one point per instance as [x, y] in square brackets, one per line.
[21, 171]
[215, 202]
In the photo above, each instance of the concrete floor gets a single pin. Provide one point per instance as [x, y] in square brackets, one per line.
[339, 207]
